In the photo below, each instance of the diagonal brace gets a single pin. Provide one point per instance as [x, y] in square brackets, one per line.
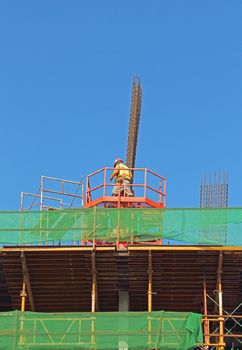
[27, 281]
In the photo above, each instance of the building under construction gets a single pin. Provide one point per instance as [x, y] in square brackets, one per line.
[83, 269]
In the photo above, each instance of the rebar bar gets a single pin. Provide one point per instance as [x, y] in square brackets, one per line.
[214, 191]
[134, 121]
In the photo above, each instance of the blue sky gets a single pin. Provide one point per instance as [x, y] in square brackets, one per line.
[66, 70]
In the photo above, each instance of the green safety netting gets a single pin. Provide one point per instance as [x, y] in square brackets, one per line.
[106, 330]
[195, 226]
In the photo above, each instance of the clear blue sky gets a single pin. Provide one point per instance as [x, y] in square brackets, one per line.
[66, 70]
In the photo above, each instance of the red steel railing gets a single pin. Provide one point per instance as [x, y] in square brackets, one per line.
[159, 191]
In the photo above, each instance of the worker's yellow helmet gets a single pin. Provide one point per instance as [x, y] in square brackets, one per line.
[117, 161]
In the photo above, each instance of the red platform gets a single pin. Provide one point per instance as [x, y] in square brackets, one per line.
[149, 190]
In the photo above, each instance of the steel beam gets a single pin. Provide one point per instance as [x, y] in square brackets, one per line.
[140, 247]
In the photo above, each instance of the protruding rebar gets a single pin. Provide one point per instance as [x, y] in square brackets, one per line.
[134, 122]
[214, 190]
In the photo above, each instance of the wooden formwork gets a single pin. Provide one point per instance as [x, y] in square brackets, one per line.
[170, 278]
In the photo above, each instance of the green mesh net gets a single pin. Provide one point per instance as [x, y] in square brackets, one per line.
[194, 226]
[107, 330]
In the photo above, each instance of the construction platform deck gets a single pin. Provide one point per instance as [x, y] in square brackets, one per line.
[60, 278]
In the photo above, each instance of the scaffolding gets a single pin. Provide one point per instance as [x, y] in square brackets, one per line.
[183, 279]
[67, 264]
[54, 193]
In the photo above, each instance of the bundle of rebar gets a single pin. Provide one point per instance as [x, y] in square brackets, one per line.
[214, 191]
[134, 122]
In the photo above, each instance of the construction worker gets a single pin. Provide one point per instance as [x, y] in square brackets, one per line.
[123, 177]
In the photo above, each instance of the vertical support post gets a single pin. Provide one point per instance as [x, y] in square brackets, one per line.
[41, 192]
[105, 181]
[205, 312]
[221, 321]
[118, 230]
[75, 231]
[220, 302]
[94, 225]
[41, 207]
[145, 184]
[150, 272]
[22, 201]
[119, 195]
[82, 200]
[220, 307]
[20, 226]
[160, 192]
[23, 295]
[132, 231]
[94, 305]
[150, 281]
[87, 194]
[94, 283]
